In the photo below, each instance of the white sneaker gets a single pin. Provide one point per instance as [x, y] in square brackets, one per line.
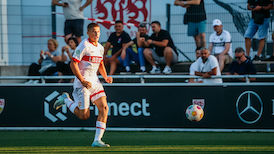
[127, 68]
[60, 101]
[155, 70]
[167, 70]
[29, 82]
[100, 143]
[143, 68]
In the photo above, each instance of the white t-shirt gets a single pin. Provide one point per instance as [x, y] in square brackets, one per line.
[89, 57]
[72, 11]
[194, 68]
[219, 42]
[211, 63]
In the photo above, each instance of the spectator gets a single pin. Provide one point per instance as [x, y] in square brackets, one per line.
[128, 54]
[73, 12]
[271, 58]
[118, 40]
[194, 67]
[195, 18]
[47, 61]
[220, 44]
[208, 66]
[259, 22]
[242, 65]
[63, 66]
[164, 51]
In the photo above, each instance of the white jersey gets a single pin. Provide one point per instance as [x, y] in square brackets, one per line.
[219, 42]
[211, 63]
[72, 11]
[89, 57]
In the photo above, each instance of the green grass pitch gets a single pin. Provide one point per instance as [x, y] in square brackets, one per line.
[136, 142]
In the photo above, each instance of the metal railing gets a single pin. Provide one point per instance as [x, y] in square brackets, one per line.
[142, 78]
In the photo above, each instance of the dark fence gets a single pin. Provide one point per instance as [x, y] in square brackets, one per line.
[238, 106]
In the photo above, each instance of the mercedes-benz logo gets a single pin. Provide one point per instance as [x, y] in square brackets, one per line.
[252, 105]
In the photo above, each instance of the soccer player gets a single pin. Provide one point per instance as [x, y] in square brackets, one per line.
[87, 60]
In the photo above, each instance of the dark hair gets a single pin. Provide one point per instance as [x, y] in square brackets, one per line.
[119, 22]
[198, 48]
[143, 25]
[239, 50]
[74, 40]
[92, 25]
[203, 48]
[156, 22]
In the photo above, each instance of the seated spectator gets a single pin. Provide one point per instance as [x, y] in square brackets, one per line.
[208, 66]
[242, 65]
[117, 39]
[220, 44]
[164, 50]
[194, 67]
[47, 61]
[129, 55]
[63, 66]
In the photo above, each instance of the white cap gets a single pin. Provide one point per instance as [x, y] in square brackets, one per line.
[216, 22]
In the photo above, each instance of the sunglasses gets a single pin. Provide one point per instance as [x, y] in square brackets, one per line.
[238, 57]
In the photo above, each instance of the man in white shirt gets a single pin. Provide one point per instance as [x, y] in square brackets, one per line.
[220, 44]
[73, 12]
[208, 66]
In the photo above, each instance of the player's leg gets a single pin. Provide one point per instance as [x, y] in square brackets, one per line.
[113, 65]
[78, 29]
[67, 30]
[221, 59]
[141, 59]
[249, 33]
[79, 107]
[101, 104]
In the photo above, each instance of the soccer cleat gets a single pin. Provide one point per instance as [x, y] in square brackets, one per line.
[155, 70]
[167, 70]
[60, 101]
[100, 143]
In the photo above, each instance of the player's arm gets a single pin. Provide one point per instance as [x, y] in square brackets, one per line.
[106, 48]
[227, 47]
[210, 47]
[160, 43]
[76, 71]
[123, 54]
[85, 5]
[103, 72]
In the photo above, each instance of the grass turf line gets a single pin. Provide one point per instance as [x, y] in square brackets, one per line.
[136, 142]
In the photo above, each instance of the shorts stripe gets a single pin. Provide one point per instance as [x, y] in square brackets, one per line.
[100, 128]
[96, 93]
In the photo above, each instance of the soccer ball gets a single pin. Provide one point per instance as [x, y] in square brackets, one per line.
[194, 113]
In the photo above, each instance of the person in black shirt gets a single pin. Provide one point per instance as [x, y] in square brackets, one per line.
[117, 39]
[164, 50]
[242, 65]
[127, 52]
[195, 18]
[259, 22]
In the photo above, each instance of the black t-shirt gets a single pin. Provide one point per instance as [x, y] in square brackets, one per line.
[162, 35]
[195, 13]
[246, 67]
[254, 3]
[118, 41]
[135, 39]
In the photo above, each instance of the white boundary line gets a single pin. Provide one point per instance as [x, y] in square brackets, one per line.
[138, 129]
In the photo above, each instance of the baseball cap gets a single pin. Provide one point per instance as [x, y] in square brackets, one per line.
[216, 22]
[142, 25]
